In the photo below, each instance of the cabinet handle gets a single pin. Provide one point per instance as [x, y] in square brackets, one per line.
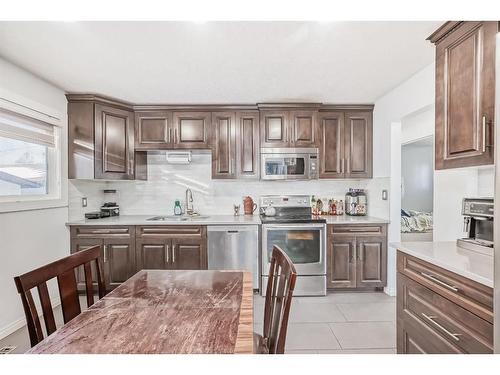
[348, 170]
[175, 135]
[342, 163]
[442, 283]
[484, 133]
[105, 254]
[173, 253]
[454, 336]
[167, 256]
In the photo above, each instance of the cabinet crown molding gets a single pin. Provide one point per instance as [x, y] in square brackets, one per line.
[443, 30]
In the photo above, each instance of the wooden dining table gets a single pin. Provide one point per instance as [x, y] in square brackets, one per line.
[164, 312]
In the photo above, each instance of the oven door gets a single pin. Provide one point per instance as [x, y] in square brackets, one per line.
[280, 166]
[305, 244]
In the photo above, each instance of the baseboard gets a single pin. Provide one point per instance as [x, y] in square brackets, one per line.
[20, 323]
[390, 291]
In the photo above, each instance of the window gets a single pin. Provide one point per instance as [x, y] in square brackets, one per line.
[29, 162]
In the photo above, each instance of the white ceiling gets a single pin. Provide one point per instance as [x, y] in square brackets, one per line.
[222, 62]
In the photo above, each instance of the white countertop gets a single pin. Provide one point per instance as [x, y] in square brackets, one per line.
[470, 264]
[216, 220]
[346, 219]
[142, 220]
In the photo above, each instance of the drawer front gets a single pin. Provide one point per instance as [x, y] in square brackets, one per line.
[358, 229]
[418, 305]
[101, 231]
[171, 231]
[466, 293]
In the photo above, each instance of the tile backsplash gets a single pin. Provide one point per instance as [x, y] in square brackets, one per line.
[167, 182]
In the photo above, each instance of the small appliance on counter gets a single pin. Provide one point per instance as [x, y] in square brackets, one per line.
[96, 215]
[110, 206]
[478, 224]
[356, 202]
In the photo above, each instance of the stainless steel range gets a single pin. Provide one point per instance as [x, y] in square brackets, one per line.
[288, 223]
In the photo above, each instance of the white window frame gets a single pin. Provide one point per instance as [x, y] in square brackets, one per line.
[57, 195]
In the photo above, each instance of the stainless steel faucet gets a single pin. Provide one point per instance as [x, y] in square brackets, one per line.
[189, 202]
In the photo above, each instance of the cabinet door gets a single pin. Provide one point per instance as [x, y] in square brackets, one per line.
[304, 125]
[247, 145]
[153, 130]
[192, 130]
[79, 245]
[331, 139]
[153, 254]
[119, 261]
[114, 143]
[189, 254]
[371, 261]
[224, 145]
[465, 76]
[341, 258]
[274, 129]
[358, 144]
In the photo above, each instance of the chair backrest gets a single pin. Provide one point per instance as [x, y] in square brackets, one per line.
[282, 277]
[64, 271]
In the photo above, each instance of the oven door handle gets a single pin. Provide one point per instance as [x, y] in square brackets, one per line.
[304, 226]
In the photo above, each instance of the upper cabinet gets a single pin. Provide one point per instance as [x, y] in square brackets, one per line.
[192, 130]
[224, 145]
[283, 127]
[346, 143]
[247, 145]
[101, 140]
[153, 130]
[465, 93]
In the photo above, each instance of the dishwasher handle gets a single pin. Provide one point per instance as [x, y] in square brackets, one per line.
[233, 231]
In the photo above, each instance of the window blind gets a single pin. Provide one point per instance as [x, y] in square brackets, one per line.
[26, 129]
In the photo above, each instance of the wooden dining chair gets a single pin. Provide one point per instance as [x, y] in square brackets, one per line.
[282, 277]
[64, 271]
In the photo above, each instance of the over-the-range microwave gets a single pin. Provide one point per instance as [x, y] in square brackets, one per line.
[289, 163]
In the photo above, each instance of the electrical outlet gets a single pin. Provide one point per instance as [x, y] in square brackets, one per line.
[84, 202]
[7, 349]
[384, 195]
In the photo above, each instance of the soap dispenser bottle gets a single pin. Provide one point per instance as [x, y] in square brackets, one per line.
[177, 207]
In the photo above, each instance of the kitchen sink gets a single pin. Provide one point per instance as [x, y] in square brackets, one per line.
[178, 218]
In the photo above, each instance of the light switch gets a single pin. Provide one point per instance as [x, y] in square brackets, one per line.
[84, 202]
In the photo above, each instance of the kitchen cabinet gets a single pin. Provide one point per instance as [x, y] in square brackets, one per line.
[441, 312]
[153, 130]
[288, 128]
[101, 140]
[118, 251]
[171, 247]
[346, 143]
[224, 145]
[465, 93]
[247, 145]
[357, 256]
[192, 130]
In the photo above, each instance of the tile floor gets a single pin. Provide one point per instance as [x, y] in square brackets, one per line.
[339, 323]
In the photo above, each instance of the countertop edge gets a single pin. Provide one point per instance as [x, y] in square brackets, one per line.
[437, 262]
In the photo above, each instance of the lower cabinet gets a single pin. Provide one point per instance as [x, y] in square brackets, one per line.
[128, 249]
[118, 251]
[357, 256]
[441, 312]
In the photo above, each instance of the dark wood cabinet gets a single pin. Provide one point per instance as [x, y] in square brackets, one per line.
[465, 93]
[357, 256]
[153, 130]
[101, 140]
[341, 262]
[171, 247]
[247, 145]
[332, 143]
[371, 261]
[118, 251]
[346, 144]
[288, 128]
[192, 130]
[274, 128]
[441, 312]
[224, 145]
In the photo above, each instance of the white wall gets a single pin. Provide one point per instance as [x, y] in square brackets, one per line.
[28, 239]
[167, 182]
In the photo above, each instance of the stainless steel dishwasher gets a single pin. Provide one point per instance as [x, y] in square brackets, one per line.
[234, 248]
